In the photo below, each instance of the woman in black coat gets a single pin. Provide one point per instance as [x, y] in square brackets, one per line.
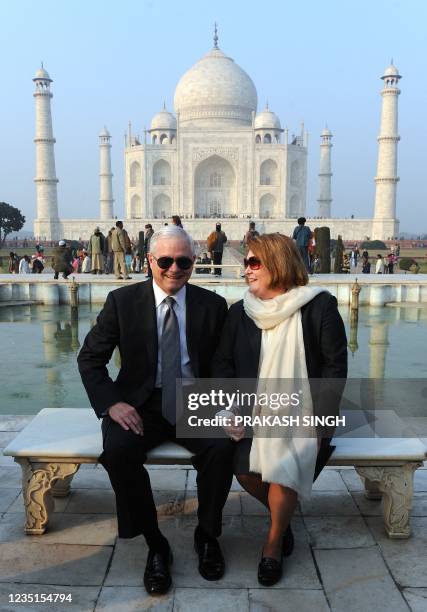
[282, 329]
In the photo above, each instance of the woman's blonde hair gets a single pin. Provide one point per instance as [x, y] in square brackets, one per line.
[280, 255]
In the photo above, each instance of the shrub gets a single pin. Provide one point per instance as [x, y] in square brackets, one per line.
[373, 245]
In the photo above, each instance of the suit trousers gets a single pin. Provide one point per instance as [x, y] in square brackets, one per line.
[124, 456]
[217, 259]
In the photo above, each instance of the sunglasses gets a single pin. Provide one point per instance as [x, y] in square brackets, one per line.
[253, 262]
[183, 263]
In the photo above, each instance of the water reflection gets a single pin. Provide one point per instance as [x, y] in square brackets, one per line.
[42, 343]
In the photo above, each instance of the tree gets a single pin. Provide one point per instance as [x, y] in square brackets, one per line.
[339, 253]
[11, 220]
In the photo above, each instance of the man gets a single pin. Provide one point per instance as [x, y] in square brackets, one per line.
[147, 237]
[215, 244]
[251, 233]
[62, 260]
[158, 325]
[302, 235]
[96, 248]
[119, 244]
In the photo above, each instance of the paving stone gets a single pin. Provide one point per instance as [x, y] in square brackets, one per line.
[329, 503]
[252, 507]
[18, 504]
[169, 503]
[98, 530]
[241, 542]
[329, 480]
[281, 600]
[6, 437]
[132, 599]
[367, 507]
[58, 564]
[13, 422]
[338, 532]
[416, 598]
[352, 480]
[91, 479]
[419, 504]
[214, 600]
[87, 501]
[83, 598]
[407, 559]
[191, 482]
[168, 480]
[358, 579]
[9, 477]
[7, 497]
[232, 505]
[420, 480]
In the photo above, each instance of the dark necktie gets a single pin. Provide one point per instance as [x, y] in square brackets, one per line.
[171, 361]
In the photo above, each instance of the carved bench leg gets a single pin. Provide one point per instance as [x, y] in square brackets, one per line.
[61, 488]
[396, 484]
[37, 481]
[372, 490]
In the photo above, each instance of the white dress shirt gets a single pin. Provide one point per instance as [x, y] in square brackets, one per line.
[179, 308]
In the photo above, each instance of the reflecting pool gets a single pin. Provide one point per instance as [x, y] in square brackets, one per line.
[39, 345]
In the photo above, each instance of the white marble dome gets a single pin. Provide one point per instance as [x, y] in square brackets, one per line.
[267, 120]
[104, 133]
[164, 120]
[391, 71]
[42, 74]
[215, 91]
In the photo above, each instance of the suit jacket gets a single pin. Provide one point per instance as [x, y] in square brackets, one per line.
[128, 321]
[325, 345]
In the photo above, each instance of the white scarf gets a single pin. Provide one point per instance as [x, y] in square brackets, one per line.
[283, 460]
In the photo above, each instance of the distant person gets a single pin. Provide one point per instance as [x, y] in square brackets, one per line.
[13, 263]
[379, 266]
[109, 264]
[24, 265]
[147, 238]
[251, 233]
[37, 266]
[366, 265]
[345, 268]
[86, 263]
[391, 260]
[176, 220]
[95, 249]
[62, 260]
[302, 235]
[204, 259]
[215, 243]
[119, 244]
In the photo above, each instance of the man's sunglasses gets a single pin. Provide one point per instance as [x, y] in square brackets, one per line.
[183, 263]
[253, 262]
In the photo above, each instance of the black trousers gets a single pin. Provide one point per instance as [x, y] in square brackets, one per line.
[217, 259]
[125, 453]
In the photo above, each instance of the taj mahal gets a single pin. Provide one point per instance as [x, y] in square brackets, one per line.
[216, 158]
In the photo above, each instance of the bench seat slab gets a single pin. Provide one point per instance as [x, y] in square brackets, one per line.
[38, 480]
[396, 485]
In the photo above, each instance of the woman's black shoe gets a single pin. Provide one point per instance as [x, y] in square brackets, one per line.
[269, 571]
[157, 578]
[288, 542]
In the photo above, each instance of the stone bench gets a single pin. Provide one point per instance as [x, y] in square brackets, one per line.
[57, 441]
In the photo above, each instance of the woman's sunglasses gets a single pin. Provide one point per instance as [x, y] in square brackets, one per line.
[183, 263]
[253, 262]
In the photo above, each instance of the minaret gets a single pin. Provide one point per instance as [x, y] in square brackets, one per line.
[325, 175]
[45, 180]
[105, 176]
[386, 179]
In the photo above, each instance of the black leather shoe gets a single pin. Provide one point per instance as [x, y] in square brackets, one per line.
[288, 542]
[157, 578]
[211, 561]
[269, 571]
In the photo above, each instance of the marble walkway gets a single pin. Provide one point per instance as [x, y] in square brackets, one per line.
[342, 559]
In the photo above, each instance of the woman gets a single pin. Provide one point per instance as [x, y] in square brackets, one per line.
[379, 266]
[282, 329]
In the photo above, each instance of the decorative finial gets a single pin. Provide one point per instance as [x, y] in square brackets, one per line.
[266, 104]
[164, 105]
[391, 62]
[215, 36]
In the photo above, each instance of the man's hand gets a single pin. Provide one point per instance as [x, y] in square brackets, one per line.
[126, 416]
[235, 432]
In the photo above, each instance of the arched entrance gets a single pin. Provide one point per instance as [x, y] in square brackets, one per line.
[267, 205]
[162, 206]
[214, 188]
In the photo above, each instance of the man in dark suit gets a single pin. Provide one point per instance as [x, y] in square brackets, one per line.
[157, 326]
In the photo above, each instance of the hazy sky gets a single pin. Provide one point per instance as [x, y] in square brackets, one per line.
[115, 61]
